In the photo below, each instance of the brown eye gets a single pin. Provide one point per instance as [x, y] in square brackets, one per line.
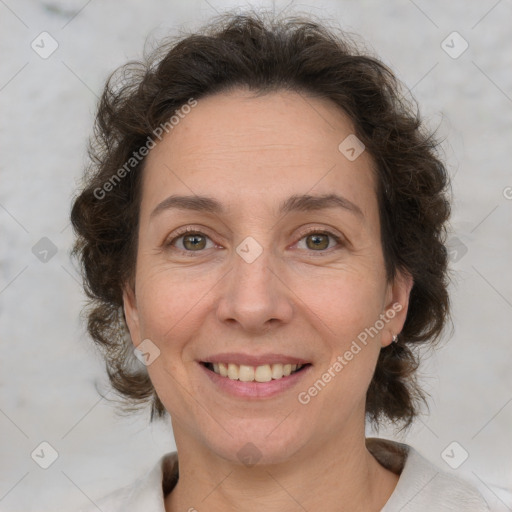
[317, 241]
[190, 241]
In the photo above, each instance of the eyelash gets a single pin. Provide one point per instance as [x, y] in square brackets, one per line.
[190, 230]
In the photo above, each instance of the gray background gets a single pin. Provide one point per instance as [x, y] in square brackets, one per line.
[49, 369]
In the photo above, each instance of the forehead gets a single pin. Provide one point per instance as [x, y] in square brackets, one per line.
[238, 146]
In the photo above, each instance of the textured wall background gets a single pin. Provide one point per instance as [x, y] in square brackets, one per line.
[49, 369]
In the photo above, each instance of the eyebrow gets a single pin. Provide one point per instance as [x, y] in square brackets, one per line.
[295, 203]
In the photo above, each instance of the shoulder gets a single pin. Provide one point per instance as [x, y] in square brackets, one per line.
[146, 494]
[425, 487]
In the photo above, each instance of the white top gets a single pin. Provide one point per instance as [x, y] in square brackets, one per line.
[422, 487]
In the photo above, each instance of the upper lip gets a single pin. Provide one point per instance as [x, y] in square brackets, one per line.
[254, 360]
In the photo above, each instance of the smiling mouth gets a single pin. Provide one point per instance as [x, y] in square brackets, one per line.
[263, 373]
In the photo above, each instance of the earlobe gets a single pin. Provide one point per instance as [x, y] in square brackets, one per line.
[131, 313]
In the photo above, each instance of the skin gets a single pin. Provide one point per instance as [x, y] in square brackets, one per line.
[251, 153]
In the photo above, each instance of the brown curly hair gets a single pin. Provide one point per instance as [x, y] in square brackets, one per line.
[267, 53]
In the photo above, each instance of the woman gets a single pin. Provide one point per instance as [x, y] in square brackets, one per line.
[265, 216]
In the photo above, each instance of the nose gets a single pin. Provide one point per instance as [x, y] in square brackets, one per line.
[254, 296]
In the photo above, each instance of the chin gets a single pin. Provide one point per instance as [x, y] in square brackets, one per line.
[258, 447]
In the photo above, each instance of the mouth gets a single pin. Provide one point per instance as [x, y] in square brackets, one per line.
[261, 373]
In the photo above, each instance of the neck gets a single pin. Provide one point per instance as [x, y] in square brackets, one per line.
[338, 475]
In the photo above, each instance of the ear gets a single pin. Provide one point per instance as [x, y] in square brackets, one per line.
[397, 305]
[131, 313]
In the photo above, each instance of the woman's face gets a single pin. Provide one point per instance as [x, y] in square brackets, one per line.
[282, 264]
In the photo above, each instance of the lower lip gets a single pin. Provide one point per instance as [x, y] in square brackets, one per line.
[255, 389]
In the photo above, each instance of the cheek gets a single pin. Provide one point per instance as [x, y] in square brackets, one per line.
[168, 302]
[345, 300]
[348, 309]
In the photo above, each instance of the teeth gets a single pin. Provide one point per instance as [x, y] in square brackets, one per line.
[245, 373]
[277, 371]
[223, 369]
[233, 372]
[263, 373]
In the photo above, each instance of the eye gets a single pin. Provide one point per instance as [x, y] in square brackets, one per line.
[190, 240]
[318, 240]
